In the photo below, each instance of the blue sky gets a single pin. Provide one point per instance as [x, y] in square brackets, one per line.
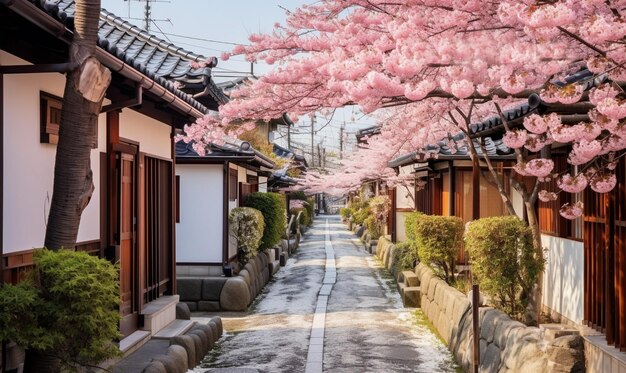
[230, 21]
[185, 22]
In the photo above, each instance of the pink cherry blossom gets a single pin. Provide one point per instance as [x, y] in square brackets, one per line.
[515, 139]
[603, 183]
[536, 124]
[572, 211]
[539, 167]
[545, 196]
[572, 184]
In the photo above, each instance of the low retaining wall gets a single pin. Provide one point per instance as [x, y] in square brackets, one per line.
[505, 345]
[211, 294]
[385, 252]
[188, 350]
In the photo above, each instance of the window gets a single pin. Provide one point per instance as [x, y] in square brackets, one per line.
[232, 184]
[50, 107]
[50, 120]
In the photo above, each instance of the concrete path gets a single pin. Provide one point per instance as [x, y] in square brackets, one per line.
[331, 309]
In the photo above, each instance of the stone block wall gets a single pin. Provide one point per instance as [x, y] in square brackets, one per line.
[506, 345]
[210, 294]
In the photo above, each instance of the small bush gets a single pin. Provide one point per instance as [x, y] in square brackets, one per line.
[345, 212]
[360, 215]
[310, 208]
[373, 227]
[246, 225]
[305, 220]
[67, 308]
[405, 256]
[439, 239]
[410, 224]
[272, 206]
[504, 261]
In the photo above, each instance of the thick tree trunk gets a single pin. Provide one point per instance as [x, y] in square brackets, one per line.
[533, 311]
[82, 99]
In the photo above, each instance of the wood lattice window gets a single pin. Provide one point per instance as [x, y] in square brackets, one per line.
[50, 120]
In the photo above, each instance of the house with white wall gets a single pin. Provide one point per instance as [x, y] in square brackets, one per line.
[209, 187]
[130, 218]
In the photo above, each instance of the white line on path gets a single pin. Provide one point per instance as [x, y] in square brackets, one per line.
[315, 356]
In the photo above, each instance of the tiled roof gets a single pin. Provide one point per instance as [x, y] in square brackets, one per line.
[156, 58]
[583, 77]
[495, 149]
[287, 153]
[369, 131]
[237, 148]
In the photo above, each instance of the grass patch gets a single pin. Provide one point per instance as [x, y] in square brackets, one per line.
[422, 320]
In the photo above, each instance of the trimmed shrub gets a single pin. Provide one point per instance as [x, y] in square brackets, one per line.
[360, 215]
[405, 256]
[246, 225]
[66, 309]
[304, 217]
[504, 261]
[310, 208]
[345, 213]
[272, 206]
[373, 227]
[439, 239]
[410, 224]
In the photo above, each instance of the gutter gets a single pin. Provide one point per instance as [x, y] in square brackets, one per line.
[38, 17]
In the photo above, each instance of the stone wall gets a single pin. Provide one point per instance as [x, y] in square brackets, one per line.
[210, 294]
[505, 345]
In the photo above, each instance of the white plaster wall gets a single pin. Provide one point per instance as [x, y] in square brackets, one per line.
[400, 228]
[518, 203]
[199, 233]
[563, 279]
[262, 184]
[29, 165]
[153, 136]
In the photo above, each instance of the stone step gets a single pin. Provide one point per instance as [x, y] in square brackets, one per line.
[410, 278]
[134, 341]
[159, 313]
[174, 329]
[412, 296]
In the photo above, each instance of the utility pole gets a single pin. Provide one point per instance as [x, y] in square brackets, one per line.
[319, 156]
[147, 16]
[288, 136]
[312, 141]
[343, 125]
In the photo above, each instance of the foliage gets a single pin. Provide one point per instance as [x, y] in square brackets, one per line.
[439, 239]
[297, 195]
[310, 208]
[305, 220]
[17, 319]
[68, 308]
[373, 227]
[504, 261]
[345, 212]
[246, 225]
[410, 225]
[273, 208]
[405, 256]
[360, 215]
[259, 142]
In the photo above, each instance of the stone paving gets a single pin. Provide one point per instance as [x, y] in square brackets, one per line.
[331, 309]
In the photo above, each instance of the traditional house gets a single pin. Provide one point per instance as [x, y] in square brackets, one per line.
[584, 279]
[210, 186]
[130, 218]
[285, 178]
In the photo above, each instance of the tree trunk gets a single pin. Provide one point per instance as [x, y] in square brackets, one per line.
[82, 100]
[533, 310]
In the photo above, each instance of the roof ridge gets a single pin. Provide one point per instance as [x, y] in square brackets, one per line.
[145, 36]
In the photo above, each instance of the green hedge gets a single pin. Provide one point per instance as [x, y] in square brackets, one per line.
[71, 302]
[373, 227]
[504, 261]
[410, 224]
[305, 220]
[345, 212]
[310, 208]
[405, 256]
[246, 225]
[273, 208]
[439, 239]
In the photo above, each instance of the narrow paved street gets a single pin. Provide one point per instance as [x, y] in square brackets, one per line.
[331, 309]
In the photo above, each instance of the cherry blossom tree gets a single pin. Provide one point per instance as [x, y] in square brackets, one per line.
[442, 63]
